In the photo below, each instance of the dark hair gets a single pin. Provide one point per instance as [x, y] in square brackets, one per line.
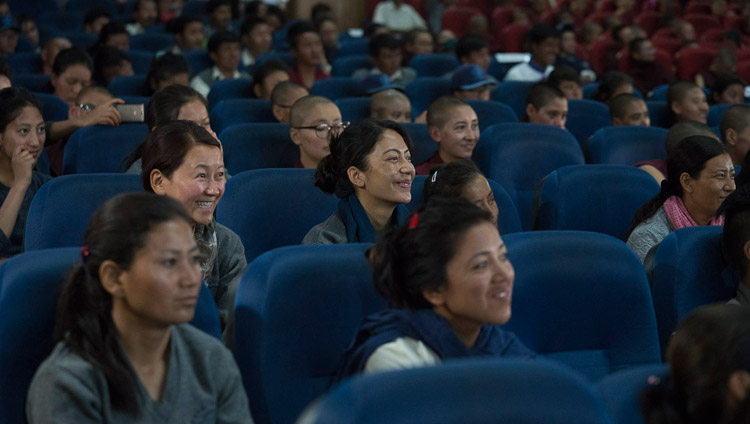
[251, 8]
[449, 179]
[383, 41]
[107, 57]
[250, 23]
[609, 83]
[689, 156]
[320, 9]
[109, 30]
[736, 117]
[177, 25]
[267, 68]
[723, 82]
[5, 70]
[351, 148]
[441, 110]
[736, 210]
[275, 10]
[707, 347]
[408, 261]
[619, 103]
[468, 44]
[678, 90]
[563, 73]
[12, 102]
[137, 4]
[220, 37]
[163, 67]
[540, 32]
[542, 93]
[298, 28]
[411, 36]
[94, 14]
[635, 45]
[70, 57]
[166, 146]
[212, 5]
[116, 231]
[616, 33]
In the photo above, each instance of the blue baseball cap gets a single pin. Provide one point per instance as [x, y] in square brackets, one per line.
[8, 22]
[468, 77]
[375, 83]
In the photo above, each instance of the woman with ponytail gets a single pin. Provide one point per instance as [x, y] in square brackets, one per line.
[124, 352]
[448, 282]
[700, 176]
[370, 170]
[709, 380]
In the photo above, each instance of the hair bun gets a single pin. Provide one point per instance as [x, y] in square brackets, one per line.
[326, 175]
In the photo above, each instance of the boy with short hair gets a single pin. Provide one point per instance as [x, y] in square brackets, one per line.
[313, 121]
[306, 48]
[386, 57]
[568, 81]
[474, 50]
[283, 96]
[219, 16]
[188, 33]
[256, 35]
[544, 45]
[470, 82]
[546, 104]
[454, 126]
[629, 109]
[224, 52]
[735, 132]
[687, 101]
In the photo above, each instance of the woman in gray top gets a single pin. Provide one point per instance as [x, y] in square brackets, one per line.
[125, 353]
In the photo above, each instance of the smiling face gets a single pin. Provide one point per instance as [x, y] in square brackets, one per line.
[26, 131]
[545, 52]
[636, 113]
[70, 82]
[704, 195]
[458, 137]
[198, 183]
[478, 192]
[389, 174]
[693, 106]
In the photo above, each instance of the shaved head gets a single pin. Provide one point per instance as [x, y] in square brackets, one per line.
[304, 107]
[391, 104]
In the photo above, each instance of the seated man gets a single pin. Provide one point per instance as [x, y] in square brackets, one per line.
[314, 120]
[568, 81]
[386, 56]
[9, 31]
[736, 240]
[165, 70]
[474, 50]
[728, 89]
[735, 132]
[629, 109]
[256, 39]
[283, 97]
[470, 82]
[544, 44]
[188, 33]
[454, 126]
[267, 76]
[219, 16]
[110, 63]
[95, 19]
[145, 14]
[49, 52]
[391, 104]
[547, 105]
[306, 48]
[646, 71]
[418, 41]
[687, 101]
[224, 52]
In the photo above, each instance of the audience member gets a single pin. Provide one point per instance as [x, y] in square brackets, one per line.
[398, 15]
[95, 19]
[306, 48]
[657, 168]
[728, 89]
[114, 35]
[169, 9]
[735, 238]
[646, 71]
[328, 29]
[224, 52]
[417, 41]
[687, 101]
[622, 35]
[9, 31]
[445, 41]
[111, 63]
[5, 76]
[28, 28]
[612, 84]
[724, 63]
[544, 45]
[474, 50]
[448, 282]
[470, 82]
[256, 39]
[546, 104]
[188, 33]
[184, 161]
[568, 81]
[314, 121]
[219, 14]
[71, 71]
[454, 126]
[700, 175]
[629, 109]
[386, 57]
[684, 31]
[167, 69]
[461, 178]
[125, 351]
[276, 17]
[145, 14]
[49, 52]
[283, 97]
[568, 55]
[370, 170]
[735, 132]
[267, 76]
[22, 138]
[391, 104]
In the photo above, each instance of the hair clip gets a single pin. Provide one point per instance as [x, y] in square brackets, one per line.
[434, 176]
[414, 221]
[84, 251]
[654, 380]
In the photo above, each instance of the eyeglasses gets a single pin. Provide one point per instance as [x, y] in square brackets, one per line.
[323, 130]
[88, 107]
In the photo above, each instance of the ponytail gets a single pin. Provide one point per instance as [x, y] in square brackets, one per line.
[648, 209]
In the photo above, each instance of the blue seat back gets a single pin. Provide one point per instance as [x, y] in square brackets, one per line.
[622, 391]
[659, 93]
[659, 114]
[519, 155]
[345, 66]
[282, 55]
[585, 117]
[336, 87]
[141, 60]
[472, 391]
[291, 206]
[424, 90]
[491, 112]
[434, 64]
[32, 82]
[240, 88]
[513, 94]
[151, 42]
[354, 46]
[35, 278]
[424, 145]
[354, 108]
[287, 358]
[63, 206]
[599, 198]
[582, 299]
[133, 85]
[53, 107]
[102, 148]
[240, 111]
[260, 145]
[80, 39]
[24, 63]
[197, 60]
[626, 145]
[589, 90]
[689, 272]
[715, 113]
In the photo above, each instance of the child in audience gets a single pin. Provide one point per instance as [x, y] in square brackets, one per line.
[124, 350]
[167, 69]
[448, 282]
[267, 76]
[569, 55]
[700, 175]
[283, 97]
[728, 89]
[629, 109]
[687, 101]
[417, 41]
[709, 377]
[454, 126]
[544, 45]
[95, 19]
[219, 16]
[391, 104]
[114, 35]
[657, 168]
[111, 63]
[49, 52]
[145, 15]
[256, 38]
[725, 63]
[735, 239]
[568, 81]
[22, 139]
[546, 104]
[328, 29]
[735, 132]
[461, 178]
[306, 48]
[646, 71]
[386, 57]
[473, 50]
[314, 121]
[184, 161]
[470, 82]
[224, 52]
[369, 169]
[188, 33]
[28, 28]
[612, 84]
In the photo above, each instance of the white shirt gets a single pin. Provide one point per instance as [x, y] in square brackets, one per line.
[526, 72]
[200, 84]
[403, 18]
[402, 353]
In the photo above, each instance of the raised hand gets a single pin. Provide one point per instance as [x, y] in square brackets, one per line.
[22, 162]
[105, 114]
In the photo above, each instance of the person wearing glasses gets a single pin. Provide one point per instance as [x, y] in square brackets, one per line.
[283, 97]
[370, 170]
[314, 120]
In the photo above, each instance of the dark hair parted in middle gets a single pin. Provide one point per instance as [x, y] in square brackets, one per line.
[408, 261]
[449, 179]
[351, 148]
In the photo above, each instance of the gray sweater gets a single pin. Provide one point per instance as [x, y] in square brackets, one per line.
[203, 385]
[330, 231]
[649, 233]
[230, 264]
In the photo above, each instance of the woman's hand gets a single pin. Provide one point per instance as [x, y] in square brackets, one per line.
[22, 163]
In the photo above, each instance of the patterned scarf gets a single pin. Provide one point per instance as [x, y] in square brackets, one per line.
[680, 217]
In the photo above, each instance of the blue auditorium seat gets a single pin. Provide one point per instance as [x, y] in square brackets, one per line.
[32, 8]
[599, 198]
[53, 107]
[32, 82]
[141, 60]
[291, 206]
[194, 7]
[424, 90]
[24, 63]
[82, 6]
[34, 278]
[715, 113]
[491, 112]
[240, 88]
[689, 272]
[354, 108]
[128, 86]
[58, 21]
[660, 93]
[197, 60]
[513, 94]
[62, 207]
[283, 56]
[434, 64]
[102, 148]
[660, 114]
[582, 299]
[590, 89]
[240, 111]
[626, 145]
[255, 146]
[585, 117]
[471, 391]
[345, 66]
[354, 47]
[622, 391]
[336, 87]
[151, 42]
[519, 155]
[424, 145]
[80, 39]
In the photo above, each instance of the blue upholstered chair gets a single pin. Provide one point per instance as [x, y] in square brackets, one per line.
[354, 109]
[128, 86]
[424, 145]
[622, 391]
[513, 94]
[490, 113]
[240, 88]
[424, 90]
[660, 114]
[102, 148]
[434, 64]
[354, 47]
[240, 111]
[197, 60]
[626, 145]
[336, 87]
[141, 60]
[259, 145]
[345, 66]
[32, 82]
[53, 107]
[715, 113]
[585, 117]
[23, 63]
[151, 42]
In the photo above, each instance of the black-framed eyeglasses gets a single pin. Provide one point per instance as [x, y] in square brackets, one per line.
[323, 130]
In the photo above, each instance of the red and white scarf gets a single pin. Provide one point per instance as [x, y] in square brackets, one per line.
[680, 217]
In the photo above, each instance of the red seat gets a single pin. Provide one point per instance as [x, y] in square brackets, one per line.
[457, 19]
[692, 60]
[733, 22]
[607, 6]
[599, 17]
[697, 7]
[743, 70]
[513, 37]
[713, 35]
[650, 21]
[600, 49]
[485, 6]
[665, 32]
[669, 44]
[623, 60]
[702, 23]
[502, 17]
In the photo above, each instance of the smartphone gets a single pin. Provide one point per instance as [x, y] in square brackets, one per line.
[131, 112]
